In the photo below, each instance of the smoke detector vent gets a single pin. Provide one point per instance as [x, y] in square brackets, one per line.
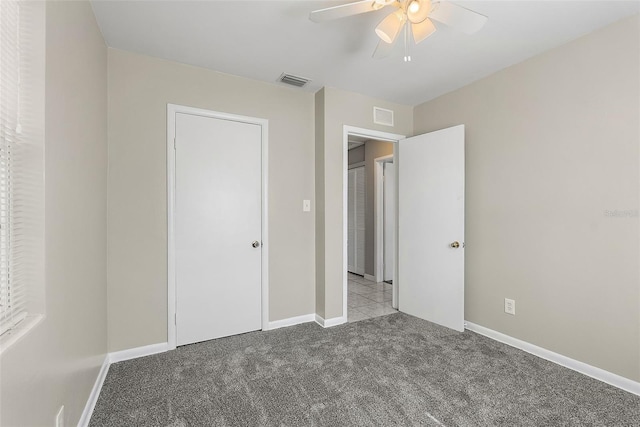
[292, 80]
[382, 116]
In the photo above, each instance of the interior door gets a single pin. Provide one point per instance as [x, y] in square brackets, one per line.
[218, 203]
[389, 220]
[431, 226]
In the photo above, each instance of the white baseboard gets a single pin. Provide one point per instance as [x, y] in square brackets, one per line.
[117, 356]
[370, 277]
[95, 393]
[134, 353]
[588, 370]
[291, 321]
[327, 323]
[148, 350]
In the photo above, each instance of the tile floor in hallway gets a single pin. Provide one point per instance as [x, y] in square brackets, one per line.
[367, 299]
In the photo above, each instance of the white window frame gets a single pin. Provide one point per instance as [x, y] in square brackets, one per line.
[21, 168]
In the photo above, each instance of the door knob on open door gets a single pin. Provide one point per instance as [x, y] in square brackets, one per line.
[255, 244]
[455, 245]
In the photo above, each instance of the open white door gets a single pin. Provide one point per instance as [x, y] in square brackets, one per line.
[431, 226]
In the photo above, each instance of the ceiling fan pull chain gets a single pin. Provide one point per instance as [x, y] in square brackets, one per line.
[407, 55]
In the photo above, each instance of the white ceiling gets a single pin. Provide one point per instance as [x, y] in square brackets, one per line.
[262, 39]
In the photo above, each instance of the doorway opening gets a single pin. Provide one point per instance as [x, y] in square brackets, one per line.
[365, 293]
[429, 225]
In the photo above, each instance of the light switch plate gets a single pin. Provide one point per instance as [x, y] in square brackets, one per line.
[509, 306]
[306, 206]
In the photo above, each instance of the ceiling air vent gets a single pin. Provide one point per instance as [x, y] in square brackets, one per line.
[382, 116]
[292, 80]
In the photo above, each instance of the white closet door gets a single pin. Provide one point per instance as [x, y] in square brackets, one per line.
[389, 219]
[355, 220]
[351, 221]
[218, 211]
[359, 226]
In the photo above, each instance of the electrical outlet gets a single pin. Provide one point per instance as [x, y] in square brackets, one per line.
[60, 417]
[509, 306]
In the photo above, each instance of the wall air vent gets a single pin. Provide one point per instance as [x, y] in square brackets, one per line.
[292, 80]
[382, 116]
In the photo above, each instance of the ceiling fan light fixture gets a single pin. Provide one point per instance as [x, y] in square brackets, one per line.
[418, 10]
[390, 26]
[422, 30]
[419, 13]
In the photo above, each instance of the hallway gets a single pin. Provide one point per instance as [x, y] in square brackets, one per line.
[367, 299]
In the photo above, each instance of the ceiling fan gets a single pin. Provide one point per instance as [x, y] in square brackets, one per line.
[414, 16]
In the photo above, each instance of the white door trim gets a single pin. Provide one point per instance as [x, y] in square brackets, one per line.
[378, 261]
[372, 134]
[172, 110]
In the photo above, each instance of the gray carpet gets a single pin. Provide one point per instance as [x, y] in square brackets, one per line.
[385, 371]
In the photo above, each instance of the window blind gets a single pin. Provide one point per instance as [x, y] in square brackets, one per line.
[20, 168]
[12, 297]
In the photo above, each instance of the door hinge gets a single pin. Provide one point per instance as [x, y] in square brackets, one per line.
[174, 143]
[175, 319]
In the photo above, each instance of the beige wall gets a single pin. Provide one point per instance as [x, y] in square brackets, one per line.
[373, 150]
[319, 115]
[551, 145]
[139, 89]
[341, 108]
[57, 362]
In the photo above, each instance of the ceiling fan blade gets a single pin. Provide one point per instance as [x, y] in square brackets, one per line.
[342, 11]
[422, 30]
[458, 17]
[384, 49]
